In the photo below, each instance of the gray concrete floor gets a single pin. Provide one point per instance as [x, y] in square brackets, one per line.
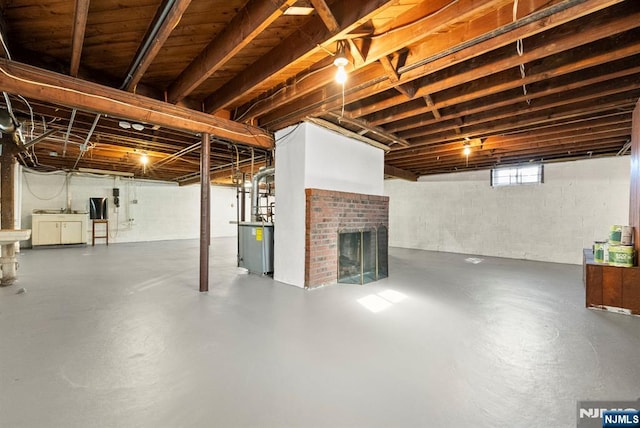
[120, 336]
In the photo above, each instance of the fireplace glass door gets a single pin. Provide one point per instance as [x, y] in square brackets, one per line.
[359, 252]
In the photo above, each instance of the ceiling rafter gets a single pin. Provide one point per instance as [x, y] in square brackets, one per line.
[578, 59]
[396, 172]
[586, 126]
[452, 77]
[431, 106]
[519, 122]
[245, 26]
[324, 11]
[384, 47]
[604, 25]
[394, 77]
[570, 97]
[558, 85]
[505, 144]
[164, 30]
[79, 26]
[360, 123]
[582, 145]
[301, 44]
[356, 53]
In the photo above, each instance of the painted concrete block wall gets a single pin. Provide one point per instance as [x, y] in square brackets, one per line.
[308, 156]
[149, 211]
[462, 213]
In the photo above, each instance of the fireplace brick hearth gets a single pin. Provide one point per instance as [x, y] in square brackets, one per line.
[328, 212]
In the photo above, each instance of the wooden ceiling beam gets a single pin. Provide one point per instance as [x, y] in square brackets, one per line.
[245, 26]
[346, 132]
[392, 139]
[423, 29]
[612, 144]
[306, 84]
[522, 122]
[489, 163]
[438, 21]
[431, 106]
[554, 129]
[164, 31]
[391, 71]
[571, 98]
[577, 59]
[544, 128]
[552, 87]
[394, 78]
[400, 173]
[32, 82]
[323, 10]
[299, 45]
[79, 25]
[604, 25]
[607, 147]
[454, 149]
[356, 53]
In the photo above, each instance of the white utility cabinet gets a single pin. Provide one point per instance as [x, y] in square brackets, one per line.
[57, 229]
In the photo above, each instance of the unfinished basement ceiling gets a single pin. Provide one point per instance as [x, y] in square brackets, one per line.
[536, 80]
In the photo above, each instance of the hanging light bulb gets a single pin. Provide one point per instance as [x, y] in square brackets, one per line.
[144, 160]
[467, 150]
[341, 75]
[341, 61]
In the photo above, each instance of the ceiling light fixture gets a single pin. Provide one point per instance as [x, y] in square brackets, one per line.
[126, 125]
[341, 61]
[299, 11]
[144, 160]
[467, 151]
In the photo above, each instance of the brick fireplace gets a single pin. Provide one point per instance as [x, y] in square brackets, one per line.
[329, 212]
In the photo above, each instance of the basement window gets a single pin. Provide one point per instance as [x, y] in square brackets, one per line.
[514, 176]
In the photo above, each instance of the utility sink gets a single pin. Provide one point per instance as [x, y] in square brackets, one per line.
[8, 236]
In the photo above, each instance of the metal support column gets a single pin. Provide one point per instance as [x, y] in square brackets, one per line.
[205, 209]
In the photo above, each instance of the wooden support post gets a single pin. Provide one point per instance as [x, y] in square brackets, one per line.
[634, 200]
[7, 217]
[204, 212]
[7, 162]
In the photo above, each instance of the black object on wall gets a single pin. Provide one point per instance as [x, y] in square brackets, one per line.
[98, 208]
[116, 197]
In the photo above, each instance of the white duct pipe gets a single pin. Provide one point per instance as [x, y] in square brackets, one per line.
[264, 173]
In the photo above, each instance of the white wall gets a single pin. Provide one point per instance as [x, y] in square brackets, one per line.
[289, 230]
[163, 210]
[308, 156]
[462, 213]
[336, 162]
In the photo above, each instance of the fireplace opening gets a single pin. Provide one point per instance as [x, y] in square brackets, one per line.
[362, 255]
